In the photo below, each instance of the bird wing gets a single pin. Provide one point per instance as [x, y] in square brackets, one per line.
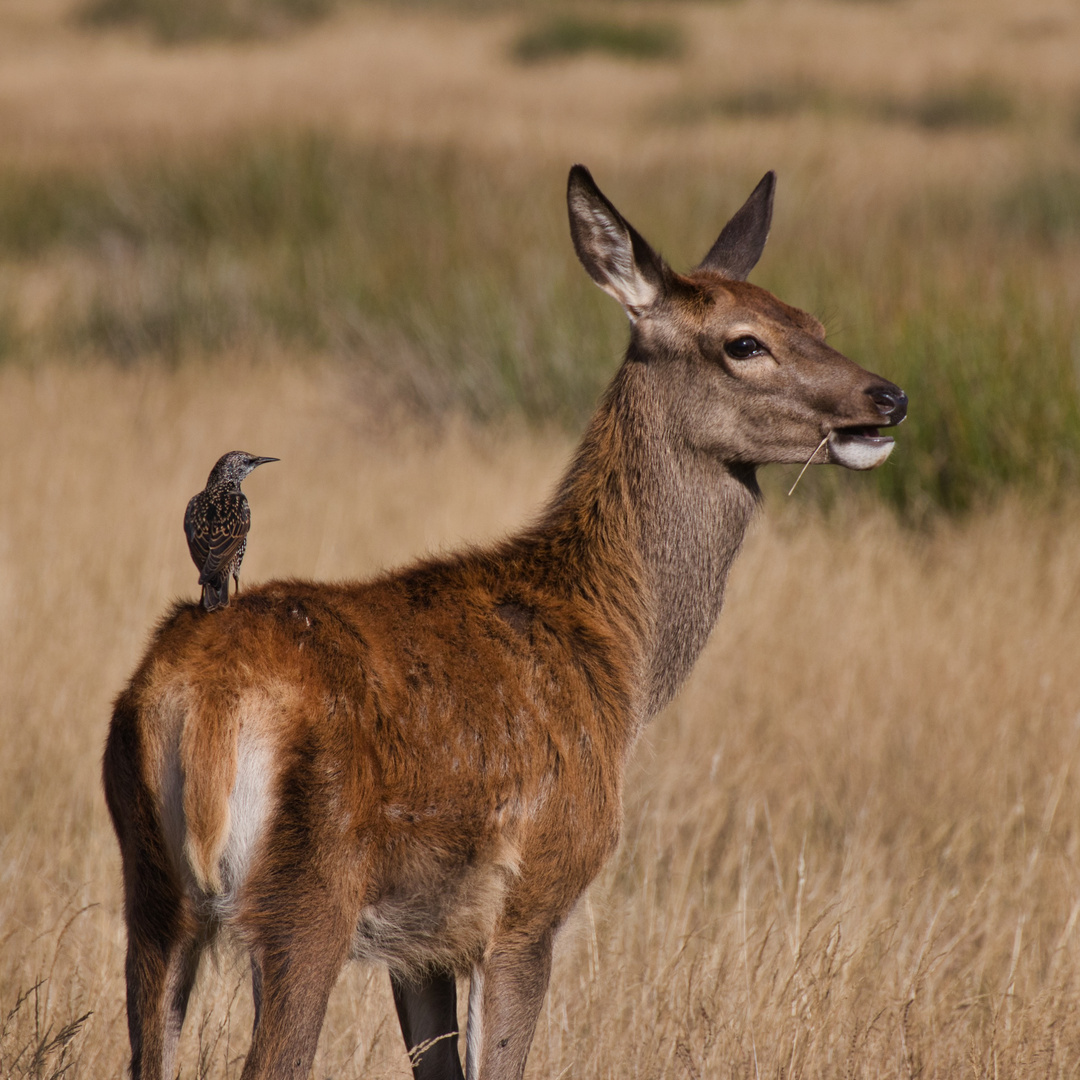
[227, 522]
[198, 538]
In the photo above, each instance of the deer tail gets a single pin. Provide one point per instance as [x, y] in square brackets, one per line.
[208, 764]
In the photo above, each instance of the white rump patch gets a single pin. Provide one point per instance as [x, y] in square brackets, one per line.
[250, 803]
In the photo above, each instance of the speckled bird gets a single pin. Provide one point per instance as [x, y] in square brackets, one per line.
[216, 524]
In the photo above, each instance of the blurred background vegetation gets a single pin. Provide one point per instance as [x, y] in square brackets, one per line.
[450, 275]
[459, 285]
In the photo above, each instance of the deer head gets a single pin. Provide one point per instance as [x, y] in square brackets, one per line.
[746, 378]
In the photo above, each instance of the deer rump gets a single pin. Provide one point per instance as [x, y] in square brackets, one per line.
[409, 744]
[425, 770]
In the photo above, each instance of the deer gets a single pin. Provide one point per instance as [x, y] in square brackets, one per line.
[425, 769]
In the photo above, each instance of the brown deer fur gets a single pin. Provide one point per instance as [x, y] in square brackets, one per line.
[425, 770]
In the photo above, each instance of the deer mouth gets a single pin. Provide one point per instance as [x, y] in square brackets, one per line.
[860, 447]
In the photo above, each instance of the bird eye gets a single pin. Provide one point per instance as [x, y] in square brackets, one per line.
[742, 348]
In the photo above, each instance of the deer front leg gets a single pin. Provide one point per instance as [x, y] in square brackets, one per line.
[505, 997]
[428, 1015]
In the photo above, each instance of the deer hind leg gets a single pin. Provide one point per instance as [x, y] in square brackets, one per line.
[164, 948]
[428, 1015]
[295, 963]
[159, 986]
[505, 998]
[165, 939]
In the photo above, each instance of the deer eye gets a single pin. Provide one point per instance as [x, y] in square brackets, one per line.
[742, 348]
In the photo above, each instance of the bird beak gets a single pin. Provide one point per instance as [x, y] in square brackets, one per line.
[262, 461]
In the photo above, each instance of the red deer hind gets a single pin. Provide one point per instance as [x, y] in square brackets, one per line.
[425, 770]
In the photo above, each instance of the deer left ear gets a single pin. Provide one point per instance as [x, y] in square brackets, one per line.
[616, 255]
[742, 239]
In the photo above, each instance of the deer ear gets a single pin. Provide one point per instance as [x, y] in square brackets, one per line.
[742, 239]
[618, 259]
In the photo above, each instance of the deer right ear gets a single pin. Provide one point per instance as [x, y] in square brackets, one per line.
[742, 239]
[617, 257]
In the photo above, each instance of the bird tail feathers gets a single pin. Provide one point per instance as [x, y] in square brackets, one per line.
[215, 594]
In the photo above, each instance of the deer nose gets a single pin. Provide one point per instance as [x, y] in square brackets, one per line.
[890, 401]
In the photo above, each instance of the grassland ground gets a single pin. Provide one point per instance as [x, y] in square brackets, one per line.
[851, 845]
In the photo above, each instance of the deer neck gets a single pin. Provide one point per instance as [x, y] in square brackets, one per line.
[655, 524]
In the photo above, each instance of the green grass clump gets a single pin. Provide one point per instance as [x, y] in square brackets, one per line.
[767, 101]
[460, 285]
[1043, 205]
[994, 399]
[570, 36]
[37, 210]
[975, 105]
[177, 21]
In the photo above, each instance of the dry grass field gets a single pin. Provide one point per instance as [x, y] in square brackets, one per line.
[852, 844]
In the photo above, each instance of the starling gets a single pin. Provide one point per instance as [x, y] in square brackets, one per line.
[217, 522]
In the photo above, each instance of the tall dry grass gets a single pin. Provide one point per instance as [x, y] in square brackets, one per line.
[851, 846]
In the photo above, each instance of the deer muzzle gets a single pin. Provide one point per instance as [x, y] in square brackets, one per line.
[859, 447]
[863, 446]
